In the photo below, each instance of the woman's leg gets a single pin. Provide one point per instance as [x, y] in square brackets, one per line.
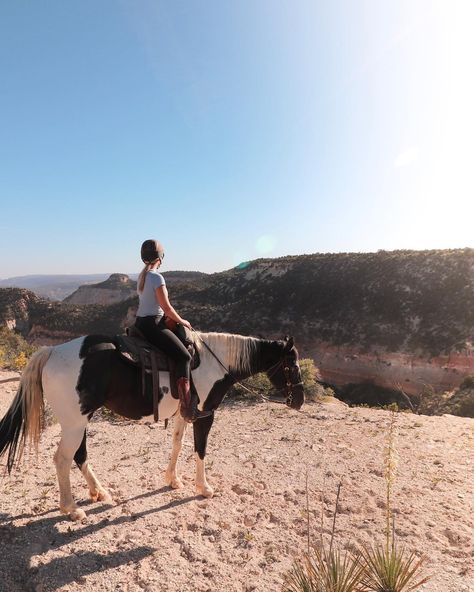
[167, 341]
[164, 339]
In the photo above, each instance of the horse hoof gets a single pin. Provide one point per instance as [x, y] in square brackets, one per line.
[77, 515]
[177, 484]
[205, 491]
[174, 482]
[101, 496]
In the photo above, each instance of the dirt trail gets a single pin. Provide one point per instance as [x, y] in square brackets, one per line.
[244, 538]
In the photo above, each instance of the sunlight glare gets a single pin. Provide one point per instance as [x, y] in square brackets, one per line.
[265, 244]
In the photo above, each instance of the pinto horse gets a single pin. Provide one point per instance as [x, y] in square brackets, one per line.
[77, 382]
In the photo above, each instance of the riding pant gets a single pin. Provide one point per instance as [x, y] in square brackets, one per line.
[154, 329]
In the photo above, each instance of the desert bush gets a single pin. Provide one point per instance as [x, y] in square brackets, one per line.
[459, 401]
[104, 414]
[313, 390]
[325, 570]
[252, 388]
[468, 382]
[259, 384]
[20, 361]
[390, 569]
[466, 402]
[15, 351]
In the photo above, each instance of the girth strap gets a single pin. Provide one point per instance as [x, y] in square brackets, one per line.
[142, 357]
[155, 376]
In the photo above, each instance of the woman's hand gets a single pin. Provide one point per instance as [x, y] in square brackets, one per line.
[186, 324]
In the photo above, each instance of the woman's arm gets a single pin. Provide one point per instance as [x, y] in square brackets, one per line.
[161, 294]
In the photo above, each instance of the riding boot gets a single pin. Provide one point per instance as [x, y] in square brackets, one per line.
[188, 403]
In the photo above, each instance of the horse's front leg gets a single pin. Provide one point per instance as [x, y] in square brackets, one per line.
[201, 429]
[179, 429]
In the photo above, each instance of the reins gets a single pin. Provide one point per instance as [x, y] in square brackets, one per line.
[274, 367]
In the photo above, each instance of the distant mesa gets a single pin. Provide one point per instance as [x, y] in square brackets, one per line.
[117, 280]
[117, 288]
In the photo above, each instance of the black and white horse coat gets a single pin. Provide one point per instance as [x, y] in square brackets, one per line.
[76, 383]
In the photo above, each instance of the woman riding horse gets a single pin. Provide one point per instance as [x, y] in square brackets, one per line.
[77, 378]
[153, 312]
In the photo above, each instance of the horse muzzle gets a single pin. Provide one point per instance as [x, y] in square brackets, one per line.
[295, 395]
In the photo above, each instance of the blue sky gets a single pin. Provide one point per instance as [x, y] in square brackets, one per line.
[231, 130]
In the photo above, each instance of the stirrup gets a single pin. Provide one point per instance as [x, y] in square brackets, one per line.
[195, 413]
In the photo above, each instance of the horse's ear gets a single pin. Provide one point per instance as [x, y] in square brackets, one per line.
[289, 343]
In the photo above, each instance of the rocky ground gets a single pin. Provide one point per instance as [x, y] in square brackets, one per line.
[244, 539]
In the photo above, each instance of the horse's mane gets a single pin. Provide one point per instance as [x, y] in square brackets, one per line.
[239, 349]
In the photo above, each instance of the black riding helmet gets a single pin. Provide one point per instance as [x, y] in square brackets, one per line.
[151, 251]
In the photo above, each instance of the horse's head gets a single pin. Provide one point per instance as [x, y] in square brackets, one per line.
[285, 374]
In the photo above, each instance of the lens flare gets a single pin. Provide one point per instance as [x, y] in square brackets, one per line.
[265, 244]
[241, 259]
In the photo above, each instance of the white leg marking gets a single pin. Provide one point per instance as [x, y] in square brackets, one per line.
[70, 442]
[202, 486]
[179, 429]
[96, 491]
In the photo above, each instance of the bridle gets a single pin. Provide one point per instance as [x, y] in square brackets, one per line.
[288, 367]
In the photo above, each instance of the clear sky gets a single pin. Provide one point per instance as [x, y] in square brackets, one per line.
[232, 130]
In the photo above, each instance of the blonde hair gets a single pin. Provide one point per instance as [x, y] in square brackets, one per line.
[142, 276]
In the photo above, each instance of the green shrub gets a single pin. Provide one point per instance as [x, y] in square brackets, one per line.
[259, 384]
[15, 351]
[391, 569]
[252, 388]
[468, 382]
[325, 569]
[313, 390]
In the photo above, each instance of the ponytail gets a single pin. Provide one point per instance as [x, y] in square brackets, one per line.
[142, 277]
[144, 271]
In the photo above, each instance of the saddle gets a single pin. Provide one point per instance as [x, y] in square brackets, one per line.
[136, 350]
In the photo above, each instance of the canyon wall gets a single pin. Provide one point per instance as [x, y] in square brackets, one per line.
[409, 372]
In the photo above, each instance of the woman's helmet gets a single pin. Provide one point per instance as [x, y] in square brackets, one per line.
[151, 251]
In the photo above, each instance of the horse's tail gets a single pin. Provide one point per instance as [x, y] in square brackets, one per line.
[24, 420]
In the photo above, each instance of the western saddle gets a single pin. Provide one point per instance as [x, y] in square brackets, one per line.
[136, 350]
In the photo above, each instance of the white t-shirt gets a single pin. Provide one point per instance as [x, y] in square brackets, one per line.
[148, 304]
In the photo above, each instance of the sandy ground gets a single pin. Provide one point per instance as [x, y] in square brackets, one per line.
[243, 539]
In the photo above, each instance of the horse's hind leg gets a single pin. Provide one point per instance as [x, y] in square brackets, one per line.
[201, 429]
[96, 491]
[68, 445]
[171, 476]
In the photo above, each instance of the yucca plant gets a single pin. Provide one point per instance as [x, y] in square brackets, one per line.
[300, 578]
[325, 570]
[391, 569]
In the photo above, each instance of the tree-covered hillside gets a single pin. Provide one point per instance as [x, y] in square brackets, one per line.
[414, 301]
[401, 300]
